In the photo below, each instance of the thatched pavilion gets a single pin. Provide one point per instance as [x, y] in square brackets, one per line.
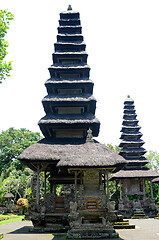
[68, 154]
[132, 177]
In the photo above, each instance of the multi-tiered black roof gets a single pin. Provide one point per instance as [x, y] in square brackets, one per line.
[131, 146]
[70, 109]
[69, 105]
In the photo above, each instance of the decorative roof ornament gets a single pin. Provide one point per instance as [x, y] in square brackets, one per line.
[89, 135]
[69, 8]
[128, 96]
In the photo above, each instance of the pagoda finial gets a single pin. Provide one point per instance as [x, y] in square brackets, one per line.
[69, 8]
[89, 135]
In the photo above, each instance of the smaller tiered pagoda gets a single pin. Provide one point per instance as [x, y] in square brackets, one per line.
[134, 175]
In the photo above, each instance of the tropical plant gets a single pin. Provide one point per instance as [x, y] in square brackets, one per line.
[5, 67]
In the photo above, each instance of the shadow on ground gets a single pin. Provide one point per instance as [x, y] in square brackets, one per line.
[61, 237]
[25, 230]
[28, 230]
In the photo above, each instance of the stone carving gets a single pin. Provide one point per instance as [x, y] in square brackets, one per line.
[153, 205]
[73, 216]
[136, 204]
[111, 205]
[89, 135]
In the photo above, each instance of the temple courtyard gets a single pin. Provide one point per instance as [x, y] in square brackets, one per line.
[146, 229]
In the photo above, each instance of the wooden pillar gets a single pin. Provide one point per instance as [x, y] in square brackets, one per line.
[151, 190]
[107, 186]
[75, 186]
[54, 189]
[116, 186]
[104, 181]
[51, 187]
[38, 186]
[120, 191]
[45, 185]
[144, 191]
[81, 178]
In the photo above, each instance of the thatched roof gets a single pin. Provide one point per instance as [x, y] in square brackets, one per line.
[135, 173]
[9, 195]
[156, 180]
[72, 154]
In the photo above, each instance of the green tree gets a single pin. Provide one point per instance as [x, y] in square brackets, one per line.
[114, 147]
[12, 143]
[153, 158]
[17, 182]
[153, 164]
[5, 67]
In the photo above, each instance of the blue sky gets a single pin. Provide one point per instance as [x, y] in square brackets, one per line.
[122, 39]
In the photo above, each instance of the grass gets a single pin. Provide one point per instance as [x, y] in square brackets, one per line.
[10, 218]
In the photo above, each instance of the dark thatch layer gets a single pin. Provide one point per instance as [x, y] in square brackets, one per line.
[68, 98]
[137, 142]
[68, 81]
[135, 134]
[135, 173]
[70, 53]
[137, 162]
[133, 150]
[126, 127]
[69, 119]
[82, 66]
[73, 154]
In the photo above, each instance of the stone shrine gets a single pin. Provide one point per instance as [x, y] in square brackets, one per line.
[132, 177]
[68, 154]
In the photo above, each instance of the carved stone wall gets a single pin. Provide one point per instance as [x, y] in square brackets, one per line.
[90, 215]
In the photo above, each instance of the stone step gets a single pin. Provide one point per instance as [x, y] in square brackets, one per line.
[122, 223]
[127, 226]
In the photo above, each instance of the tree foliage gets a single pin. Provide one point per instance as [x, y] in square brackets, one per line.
[17, 182]
[14, 176]
[12, 143]
[153, 158]
[5, 67]
[153, 164]
[114, 147]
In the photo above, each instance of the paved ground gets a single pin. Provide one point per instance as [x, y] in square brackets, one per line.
[20, 231]
[147, 229]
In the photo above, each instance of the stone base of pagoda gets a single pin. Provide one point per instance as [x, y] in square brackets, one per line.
[92, 232]
[49, 222]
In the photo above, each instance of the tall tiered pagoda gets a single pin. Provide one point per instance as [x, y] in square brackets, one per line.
[68, 154]
[133, 176]
[69, 105]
